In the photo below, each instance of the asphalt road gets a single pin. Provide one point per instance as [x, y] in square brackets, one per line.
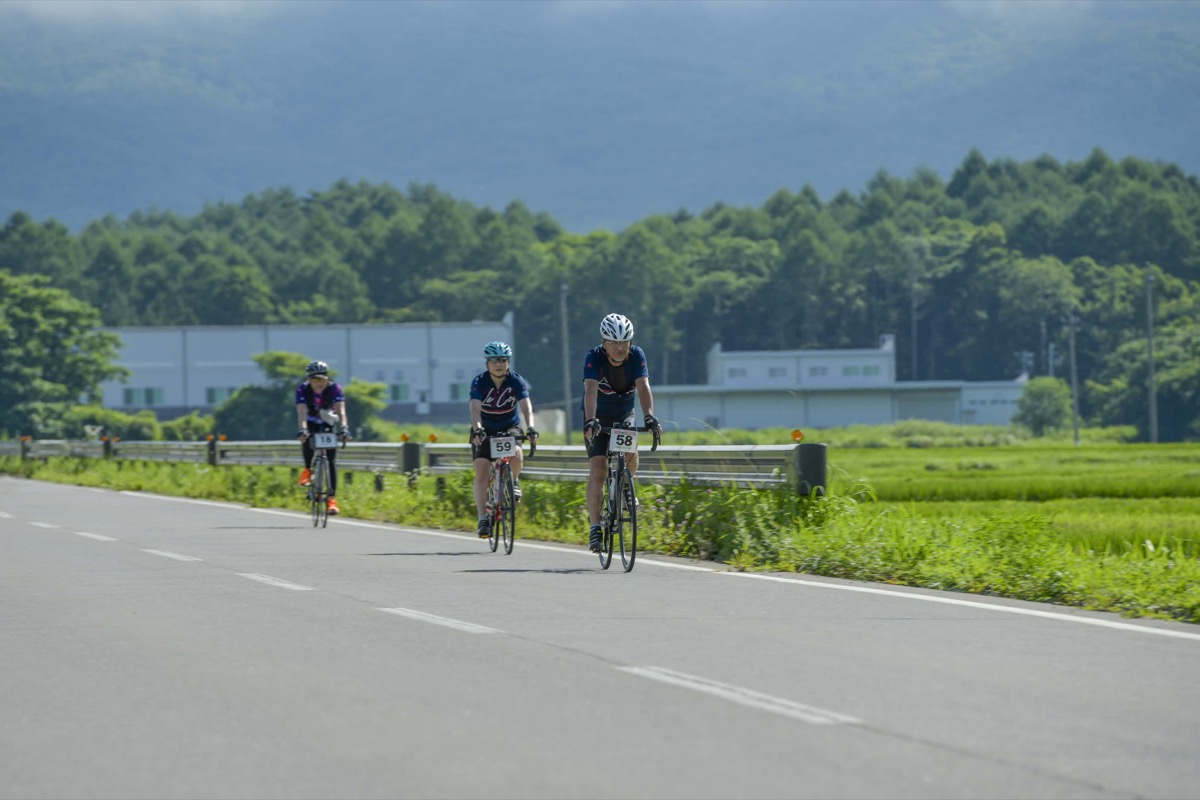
[170, 648]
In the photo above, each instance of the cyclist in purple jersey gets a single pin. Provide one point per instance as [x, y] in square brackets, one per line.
[498, 398]
[612, 374]
[316, 399]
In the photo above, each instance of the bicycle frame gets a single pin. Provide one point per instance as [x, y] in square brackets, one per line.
[501, 497]
[320, 485]
[618, 515]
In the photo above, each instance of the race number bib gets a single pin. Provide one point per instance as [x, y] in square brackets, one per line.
[324, 441]
[503, 446]
[622, 441]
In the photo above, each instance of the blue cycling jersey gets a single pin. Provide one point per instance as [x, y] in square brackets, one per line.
[499, 402]
[617, 384]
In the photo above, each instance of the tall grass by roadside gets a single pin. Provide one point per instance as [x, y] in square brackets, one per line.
[1006, 551]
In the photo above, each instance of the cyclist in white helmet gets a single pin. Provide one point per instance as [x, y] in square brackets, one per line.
[612, 373]
[496, 396]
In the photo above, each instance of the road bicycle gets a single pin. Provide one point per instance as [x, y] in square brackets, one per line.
[320, 484]
[501, 506]
[618, 514]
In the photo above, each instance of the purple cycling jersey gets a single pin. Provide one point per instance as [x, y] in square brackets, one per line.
[319, 401]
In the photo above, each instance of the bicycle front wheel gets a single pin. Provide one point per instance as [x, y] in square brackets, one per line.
[508, 502]
[320, 493]
[627, 525]
[497, 510]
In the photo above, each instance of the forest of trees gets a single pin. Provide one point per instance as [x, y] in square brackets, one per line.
[981, 269]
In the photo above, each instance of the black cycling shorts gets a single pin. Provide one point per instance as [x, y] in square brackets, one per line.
[599, 444]
[484, 448]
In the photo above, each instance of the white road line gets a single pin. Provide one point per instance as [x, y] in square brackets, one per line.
[954, 601]
[5, 515]
[43, 525]
[193, 501]
[97, 536]
[169, 554]
[744, 696]
[466, 627]
[948, 600]
[267, 579]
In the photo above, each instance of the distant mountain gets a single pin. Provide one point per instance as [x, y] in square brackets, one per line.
[597, 113]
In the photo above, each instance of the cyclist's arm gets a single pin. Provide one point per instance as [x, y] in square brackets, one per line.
[302, 416]
[645, 396]
[526, 407]
[476, 413]
[340, 409]
[591, 390]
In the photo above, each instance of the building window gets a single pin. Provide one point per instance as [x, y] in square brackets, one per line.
[399, 392]
[460, 391]
[736, 372]
[871, 369]
[214, 395]
[151, 396]
[853, 369]
[818, 372]
[776, 372]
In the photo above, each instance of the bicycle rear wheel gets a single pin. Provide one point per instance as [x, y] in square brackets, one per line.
[320, 479]
[627, 521]
[508, 502]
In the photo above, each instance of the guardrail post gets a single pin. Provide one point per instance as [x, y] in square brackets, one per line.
[211, 455]
[26, 445]
[107, 447]
[808, 473]
[411, 455]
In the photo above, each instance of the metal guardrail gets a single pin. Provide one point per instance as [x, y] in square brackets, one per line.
[802, 466]
[748, 465]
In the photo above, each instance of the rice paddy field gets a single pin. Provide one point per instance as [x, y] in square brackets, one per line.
[1102, 497]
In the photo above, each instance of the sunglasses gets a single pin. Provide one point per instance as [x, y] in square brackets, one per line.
[497, 360]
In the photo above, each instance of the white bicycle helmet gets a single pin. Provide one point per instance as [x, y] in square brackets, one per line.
[317, 368]
[616, 328]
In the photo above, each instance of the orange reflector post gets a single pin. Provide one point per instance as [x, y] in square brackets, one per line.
[797, 435]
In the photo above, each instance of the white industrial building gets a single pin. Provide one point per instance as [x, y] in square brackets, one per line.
[427, 367]
[825, 389]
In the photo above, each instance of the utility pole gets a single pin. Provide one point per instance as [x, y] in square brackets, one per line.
[1150, 355]
[916, 263]
[1025, 358]
[1071, 321]
[1050, 358]
[913, 313]
[566, 359]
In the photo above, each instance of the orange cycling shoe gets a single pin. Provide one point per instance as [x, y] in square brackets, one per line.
[305, 477]
[332, 506]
